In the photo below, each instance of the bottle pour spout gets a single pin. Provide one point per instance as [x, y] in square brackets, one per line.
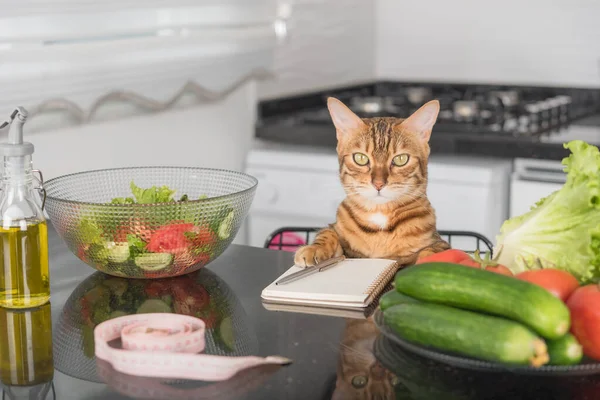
[15, 147]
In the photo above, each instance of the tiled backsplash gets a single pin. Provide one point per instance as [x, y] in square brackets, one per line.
[336, 42]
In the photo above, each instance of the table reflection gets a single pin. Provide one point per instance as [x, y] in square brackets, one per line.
[101, 297]
[26, 355]
[423, 378]
[136, 387]
[359, 374]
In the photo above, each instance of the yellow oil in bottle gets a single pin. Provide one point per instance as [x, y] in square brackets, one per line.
[26, 357]
[24, 269]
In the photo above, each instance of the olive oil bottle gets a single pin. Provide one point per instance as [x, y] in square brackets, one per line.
[26, 355]
[24, 268]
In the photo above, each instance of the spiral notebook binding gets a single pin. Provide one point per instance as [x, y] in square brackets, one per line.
[382, 280]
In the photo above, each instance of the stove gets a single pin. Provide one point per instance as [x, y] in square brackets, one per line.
[515, 111]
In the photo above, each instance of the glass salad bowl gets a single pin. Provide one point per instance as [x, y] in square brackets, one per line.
[149, 222]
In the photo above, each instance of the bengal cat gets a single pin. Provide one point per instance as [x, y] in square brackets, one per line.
[383, 169]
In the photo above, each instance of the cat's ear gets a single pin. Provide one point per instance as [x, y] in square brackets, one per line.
[343, 118]
[422, 120]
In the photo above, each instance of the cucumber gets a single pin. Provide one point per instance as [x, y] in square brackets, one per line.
[467, 333]
[480, 290]
[392, 298]
[226, 226]
[154, 261]
[117, 252]
[226, 333]
[153, 306]
[565, 351]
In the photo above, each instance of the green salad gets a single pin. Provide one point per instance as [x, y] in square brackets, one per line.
[153, 242]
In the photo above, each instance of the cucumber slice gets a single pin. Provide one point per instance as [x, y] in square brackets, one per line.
[153, 306]
[225, 226]
[154, 261]
[117, 252]
[117, 286]
[226, 333]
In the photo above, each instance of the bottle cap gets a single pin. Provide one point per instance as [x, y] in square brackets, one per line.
[15, 147]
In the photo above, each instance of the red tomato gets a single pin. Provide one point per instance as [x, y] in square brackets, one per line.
[170, 238]
[584, 305]
[203, 236]
[157, 289]
[469, 262]
[189, 300]
[450, 256]
[487, 264]
[177, 237]
[560, 283]
[499, 269]
[82, 253]
[210, 318]
[121, 234]
[134, 228]
[86, 313]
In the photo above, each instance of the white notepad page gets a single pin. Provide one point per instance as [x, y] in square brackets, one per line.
[352, 282]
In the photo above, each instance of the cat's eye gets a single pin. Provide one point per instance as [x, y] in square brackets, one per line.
[360, 159]
[359, 381]
[400, 160]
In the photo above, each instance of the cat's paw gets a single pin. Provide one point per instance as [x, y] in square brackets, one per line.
[308, 256]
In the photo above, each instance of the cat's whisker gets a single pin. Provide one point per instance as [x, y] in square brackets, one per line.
[359, 355]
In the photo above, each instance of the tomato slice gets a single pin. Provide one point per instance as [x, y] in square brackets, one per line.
[157, 289]
[584, 306]
[560, 283]
[454, 256]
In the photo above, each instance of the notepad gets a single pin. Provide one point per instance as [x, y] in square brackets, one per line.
[354, 282]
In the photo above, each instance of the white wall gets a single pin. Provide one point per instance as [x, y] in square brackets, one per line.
[339, 42]
[330, 44]
[216, 135]
[531, 42]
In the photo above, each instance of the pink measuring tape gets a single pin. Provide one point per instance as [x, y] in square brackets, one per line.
[167, 346]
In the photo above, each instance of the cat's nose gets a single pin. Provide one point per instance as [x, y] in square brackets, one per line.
[378, 184]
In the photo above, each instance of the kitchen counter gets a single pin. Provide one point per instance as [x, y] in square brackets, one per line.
[546, 146]
[317, 345]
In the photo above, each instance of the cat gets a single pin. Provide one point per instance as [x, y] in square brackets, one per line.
[359, 374]
[383, 170]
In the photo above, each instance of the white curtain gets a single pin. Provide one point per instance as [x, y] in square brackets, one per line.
[74, 54]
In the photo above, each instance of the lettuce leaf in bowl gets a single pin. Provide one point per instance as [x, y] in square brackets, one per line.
[151, 195]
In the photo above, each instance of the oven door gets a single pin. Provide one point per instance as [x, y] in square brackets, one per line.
[533, 180]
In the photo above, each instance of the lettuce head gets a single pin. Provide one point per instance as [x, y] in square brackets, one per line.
[561, 230]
